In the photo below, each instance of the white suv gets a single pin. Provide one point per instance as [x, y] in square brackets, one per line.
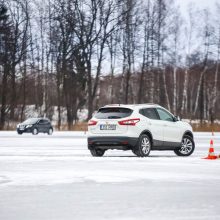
[140, 128]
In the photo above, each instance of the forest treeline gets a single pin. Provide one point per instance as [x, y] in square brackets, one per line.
[76, 54]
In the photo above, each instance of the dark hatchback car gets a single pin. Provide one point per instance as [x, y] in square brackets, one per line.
[35, 126]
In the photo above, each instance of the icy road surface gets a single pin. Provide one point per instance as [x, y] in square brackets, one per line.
[54, 177]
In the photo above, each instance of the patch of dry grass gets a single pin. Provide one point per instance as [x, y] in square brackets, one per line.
[208, 127]
[81, 126]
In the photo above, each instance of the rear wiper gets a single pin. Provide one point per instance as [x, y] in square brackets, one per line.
[112, 117]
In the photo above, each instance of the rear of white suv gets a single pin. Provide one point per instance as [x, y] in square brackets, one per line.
[140, 128]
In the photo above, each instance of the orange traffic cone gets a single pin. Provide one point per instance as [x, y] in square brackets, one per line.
[211, 155]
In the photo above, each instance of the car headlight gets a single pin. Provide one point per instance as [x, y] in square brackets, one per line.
[29, 126]
[18, 125]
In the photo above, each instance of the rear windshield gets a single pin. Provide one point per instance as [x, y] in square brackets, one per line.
[112, 113]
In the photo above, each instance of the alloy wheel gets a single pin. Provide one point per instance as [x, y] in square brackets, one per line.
[186, 146]
[145, 145]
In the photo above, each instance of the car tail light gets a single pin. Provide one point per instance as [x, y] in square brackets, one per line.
[92, 123]
[131, 122]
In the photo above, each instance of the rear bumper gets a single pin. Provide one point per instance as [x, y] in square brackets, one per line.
[120, 143]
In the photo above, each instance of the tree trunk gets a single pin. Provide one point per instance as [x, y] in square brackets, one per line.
[90, 92]
[185, 97]
[58, 85]
[24, 91]
[4, 97]
[200, 84]
[165, 89]
[174, 90]
[13, 93]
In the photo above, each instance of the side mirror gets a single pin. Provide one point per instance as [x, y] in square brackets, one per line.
[177, 118]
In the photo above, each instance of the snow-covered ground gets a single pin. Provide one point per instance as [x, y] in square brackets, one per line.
[54, 177]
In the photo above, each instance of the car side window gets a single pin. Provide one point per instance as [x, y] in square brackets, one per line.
[149, 113]
[41, 122]
[164, 115]
[45, 122]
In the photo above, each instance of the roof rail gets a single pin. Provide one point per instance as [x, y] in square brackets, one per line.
[131, 104]
[113, 104]
[147, 104]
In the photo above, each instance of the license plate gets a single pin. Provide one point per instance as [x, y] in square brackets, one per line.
[108, 127]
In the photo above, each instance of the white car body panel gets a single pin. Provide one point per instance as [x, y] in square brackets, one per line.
[161, 130]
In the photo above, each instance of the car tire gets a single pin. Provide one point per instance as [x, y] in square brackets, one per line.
[50, 131]
[187, 147]
[34, 131]
[97, 152]
[135, 152]
[20, 132]
[143, 147]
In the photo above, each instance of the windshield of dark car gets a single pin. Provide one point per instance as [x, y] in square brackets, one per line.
[113, 113]
[30, 121]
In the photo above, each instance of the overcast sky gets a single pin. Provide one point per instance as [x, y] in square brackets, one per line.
[198, 3]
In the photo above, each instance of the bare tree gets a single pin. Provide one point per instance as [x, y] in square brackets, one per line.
[189, 31]
[201, 86]
[19, 14]
[146, 50]
[94, 28]
[5, 29]
[215, 89]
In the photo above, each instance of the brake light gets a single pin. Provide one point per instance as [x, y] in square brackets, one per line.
[92, 123]
[131, 122]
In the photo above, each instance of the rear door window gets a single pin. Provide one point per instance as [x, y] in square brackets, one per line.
[46, 121]
[149, 113]
[43, 122]
[113, 113]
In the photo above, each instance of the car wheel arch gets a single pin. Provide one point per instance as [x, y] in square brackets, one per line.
[149, 134]
[188, 133]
